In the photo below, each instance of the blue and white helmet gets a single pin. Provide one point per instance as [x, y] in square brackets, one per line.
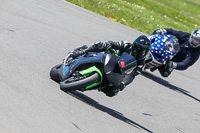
[164, 48]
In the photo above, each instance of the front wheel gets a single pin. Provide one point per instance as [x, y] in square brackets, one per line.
[54, 73]
[79, 82]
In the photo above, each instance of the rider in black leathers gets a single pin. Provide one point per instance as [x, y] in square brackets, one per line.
[189, 50]
[138, 49]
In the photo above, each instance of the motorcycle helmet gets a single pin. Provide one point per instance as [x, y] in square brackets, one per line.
[141, 47]
[164, 48]
[194, 40]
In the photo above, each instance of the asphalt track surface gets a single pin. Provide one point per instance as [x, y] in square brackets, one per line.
[35, 35]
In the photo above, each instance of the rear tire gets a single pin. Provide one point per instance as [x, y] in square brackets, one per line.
[79, 84]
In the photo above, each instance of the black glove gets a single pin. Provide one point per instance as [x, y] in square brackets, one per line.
[78, 53]
[172, 64]
[160, 31]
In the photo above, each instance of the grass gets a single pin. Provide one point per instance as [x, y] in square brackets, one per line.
[148, 15]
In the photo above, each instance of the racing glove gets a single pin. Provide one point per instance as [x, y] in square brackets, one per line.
[160, 31]
[172, 64]
[77, 53]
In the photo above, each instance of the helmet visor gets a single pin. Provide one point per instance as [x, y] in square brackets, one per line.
[195, 42]
[172, 45]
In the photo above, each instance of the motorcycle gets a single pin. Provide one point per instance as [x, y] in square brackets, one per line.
[162, 50]
[93, 70]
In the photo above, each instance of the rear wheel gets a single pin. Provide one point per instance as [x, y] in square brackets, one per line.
[77, 81]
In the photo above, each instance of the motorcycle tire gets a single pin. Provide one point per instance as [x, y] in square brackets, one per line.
[79, 84]
[54, 73]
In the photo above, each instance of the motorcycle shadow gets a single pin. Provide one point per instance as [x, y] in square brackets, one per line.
[167, 84]
[105, 109]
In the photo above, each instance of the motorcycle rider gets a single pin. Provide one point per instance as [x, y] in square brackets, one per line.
[189, 50]
[138, 49]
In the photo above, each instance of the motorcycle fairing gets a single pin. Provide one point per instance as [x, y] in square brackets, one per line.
[110, 62]
[90, 57]
[116, 78]
[127, 63]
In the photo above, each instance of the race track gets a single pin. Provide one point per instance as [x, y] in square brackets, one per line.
[35, 35]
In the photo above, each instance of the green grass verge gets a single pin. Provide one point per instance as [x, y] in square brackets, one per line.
[147, 15]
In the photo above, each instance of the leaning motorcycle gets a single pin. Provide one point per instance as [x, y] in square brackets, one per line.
[162, 50]
[93, 70]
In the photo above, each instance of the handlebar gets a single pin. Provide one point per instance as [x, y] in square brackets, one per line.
[65, 61]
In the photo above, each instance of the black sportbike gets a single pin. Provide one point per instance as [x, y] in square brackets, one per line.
[93, 70]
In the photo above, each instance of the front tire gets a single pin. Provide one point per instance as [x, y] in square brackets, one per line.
[73, 83]
[54, 73]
